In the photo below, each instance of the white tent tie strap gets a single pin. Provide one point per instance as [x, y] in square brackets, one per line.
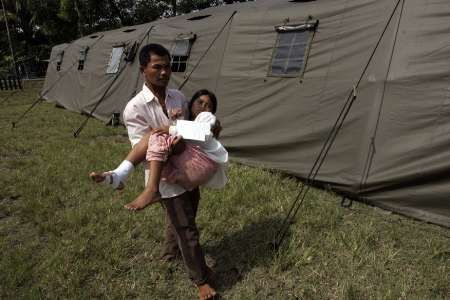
[42, 94]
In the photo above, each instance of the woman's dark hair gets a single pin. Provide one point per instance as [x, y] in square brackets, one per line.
[147, 50]
[200, 93]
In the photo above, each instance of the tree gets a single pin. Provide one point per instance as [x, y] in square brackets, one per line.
[37, 25]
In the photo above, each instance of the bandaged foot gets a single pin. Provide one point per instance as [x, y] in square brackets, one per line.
[116, 178]
[146, 198]
[108, 178]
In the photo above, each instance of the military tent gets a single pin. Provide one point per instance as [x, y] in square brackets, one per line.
[283, 72]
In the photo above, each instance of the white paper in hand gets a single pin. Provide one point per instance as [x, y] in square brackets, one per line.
[196, 131]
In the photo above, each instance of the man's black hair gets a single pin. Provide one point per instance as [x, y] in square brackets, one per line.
[149, 49]
[200, 93]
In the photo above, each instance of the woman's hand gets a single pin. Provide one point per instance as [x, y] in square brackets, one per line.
[216, 129]
[176, 113]
[178, 145]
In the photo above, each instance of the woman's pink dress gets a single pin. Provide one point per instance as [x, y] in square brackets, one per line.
[190, 168]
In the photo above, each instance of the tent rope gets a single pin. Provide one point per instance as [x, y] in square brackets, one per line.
[299, 199]
[207, 50]
[103, 97]
[38, 100]
[371, 151]
[137, 81]
[21, 89]
[10, 96]
[41, 95]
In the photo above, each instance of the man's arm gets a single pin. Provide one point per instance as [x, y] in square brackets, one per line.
[135, 122]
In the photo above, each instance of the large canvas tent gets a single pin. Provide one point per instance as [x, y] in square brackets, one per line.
[282, 71]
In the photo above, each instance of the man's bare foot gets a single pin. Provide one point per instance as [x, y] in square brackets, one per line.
[108, 178]
[205, 291]
[146, 198]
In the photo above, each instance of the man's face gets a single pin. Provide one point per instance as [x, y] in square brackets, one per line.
[157, 72]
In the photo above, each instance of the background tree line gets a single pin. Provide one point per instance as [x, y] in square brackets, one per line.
[37, 25]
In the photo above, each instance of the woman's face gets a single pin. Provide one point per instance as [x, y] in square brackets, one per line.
[201, 104]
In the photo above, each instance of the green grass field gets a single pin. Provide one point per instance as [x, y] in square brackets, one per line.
[61, 236]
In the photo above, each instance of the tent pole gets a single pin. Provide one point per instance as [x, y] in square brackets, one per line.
[10, 41]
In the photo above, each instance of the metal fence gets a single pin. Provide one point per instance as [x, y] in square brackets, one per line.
[10, 82]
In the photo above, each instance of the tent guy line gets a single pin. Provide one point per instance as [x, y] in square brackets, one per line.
[299, 199]
[207, 50]
[371, 152]
[78, 131]
[282, 82]
[42, 94]
[4, 100]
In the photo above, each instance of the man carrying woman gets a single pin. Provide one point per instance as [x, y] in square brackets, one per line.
[151, 109]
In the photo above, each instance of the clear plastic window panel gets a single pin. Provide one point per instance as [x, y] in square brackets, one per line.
[114, 60]
[289, 54]
[181, 48]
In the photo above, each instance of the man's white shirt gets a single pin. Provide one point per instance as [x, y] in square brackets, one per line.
[143, 113]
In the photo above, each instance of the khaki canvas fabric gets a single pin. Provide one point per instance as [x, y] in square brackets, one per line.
[392, 150]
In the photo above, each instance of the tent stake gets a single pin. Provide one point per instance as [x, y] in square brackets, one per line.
[346, 202]
[13, 124]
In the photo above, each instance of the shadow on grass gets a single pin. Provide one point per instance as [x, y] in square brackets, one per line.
[241, 251]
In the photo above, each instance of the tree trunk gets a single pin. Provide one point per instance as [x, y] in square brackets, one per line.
[79, 18]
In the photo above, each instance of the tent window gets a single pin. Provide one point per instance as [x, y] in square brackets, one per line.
[82, 58]
[59, 60]
[180, 52]
[291, 49]
[114, 60]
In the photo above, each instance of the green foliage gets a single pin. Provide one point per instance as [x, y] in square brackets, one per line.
[62, 236]
[147, 11]
[37, 25]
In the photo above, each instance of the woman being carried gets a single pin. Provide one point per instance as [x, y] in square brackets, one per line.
[189, 164]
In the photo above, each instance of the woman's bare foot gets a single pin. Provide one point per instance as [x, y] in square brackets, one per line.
[205, 291]
[108, 178]
[146, 198]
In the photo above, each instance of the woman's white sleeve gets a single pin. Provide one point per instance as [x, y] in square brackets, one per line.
[173, 130]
